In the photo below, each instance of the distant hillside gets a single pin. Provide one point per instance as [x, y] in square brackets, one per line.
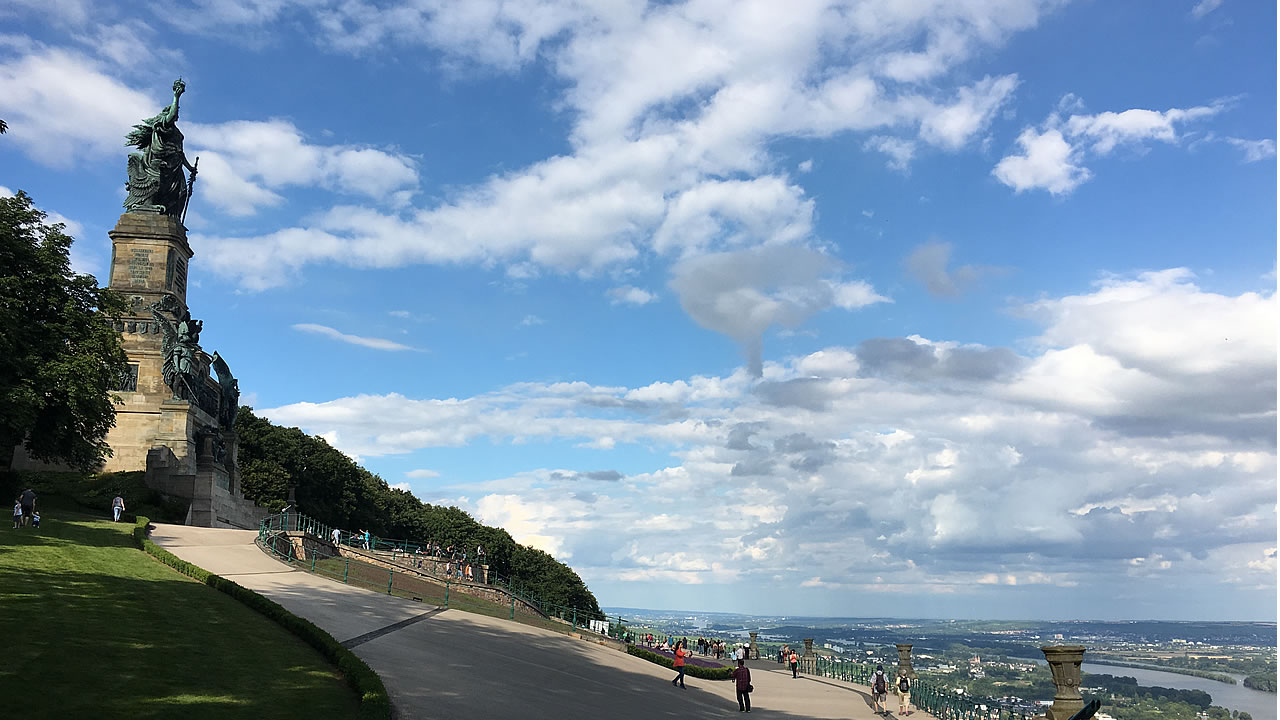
[336, 491]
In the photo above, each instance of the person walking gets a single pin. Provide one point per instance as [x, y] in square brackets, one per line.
[794, 659]
[28, 499]
[336, 537]
[879, 690]
[742, 676]
[117, 507]
[904, 695]
[681, 654]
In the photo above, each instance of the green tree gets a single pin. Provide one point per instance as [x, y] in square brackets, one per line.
[1265, 683]
[336, 491]
[60, 359]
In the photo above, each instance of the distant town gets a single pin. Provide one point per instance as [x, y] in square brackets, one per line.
[1178, 670]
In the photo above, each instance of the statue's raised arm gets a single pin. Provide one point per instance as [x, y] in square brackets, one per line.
[156, 182]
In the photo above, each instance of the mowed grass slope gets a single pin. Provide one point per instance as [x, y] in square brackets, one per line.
[93, 627]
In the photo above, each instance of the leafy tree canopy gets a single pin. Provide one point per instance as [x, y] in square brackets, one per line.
[333, 489]
[60, 359]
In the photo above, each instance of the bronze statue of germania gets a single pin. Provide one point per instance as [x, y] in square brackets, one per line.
[156, 183]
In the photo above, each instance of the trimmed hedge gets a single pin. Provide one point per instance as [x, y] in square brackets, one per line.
[374, 703]
[723, 673]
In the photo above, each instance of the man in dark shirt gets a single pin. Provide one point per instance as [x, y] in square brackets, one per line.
[28, 500]
[742, 678]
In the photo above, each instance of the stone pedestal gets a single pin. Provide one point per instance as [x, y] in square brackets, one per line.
[808, 647]
[186, 452]
[753, 652]
[904, 661]
[149, 255]
[1064, 662]
[149, 258]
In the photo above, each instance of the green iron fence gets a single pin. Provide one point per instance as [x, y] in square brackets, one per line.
[925, 695]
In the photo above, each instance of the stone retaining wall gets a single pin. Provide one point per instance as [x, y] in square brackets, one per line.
[492, 593]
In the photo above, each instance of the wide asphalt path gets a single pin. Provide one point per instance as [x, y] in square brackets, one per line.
[450, 664]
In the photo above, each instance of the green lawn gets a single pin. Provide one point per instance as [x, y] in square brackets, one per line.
[96, 628]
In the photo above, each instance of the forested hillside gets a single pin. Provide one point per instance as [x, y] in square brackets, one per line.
[335, 490]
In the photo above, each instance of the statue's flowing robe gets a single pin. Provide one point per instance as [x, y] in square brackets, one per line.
[156, 181]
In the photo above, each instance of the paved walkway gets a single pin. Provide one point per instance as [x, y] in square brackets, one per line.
[449, 664]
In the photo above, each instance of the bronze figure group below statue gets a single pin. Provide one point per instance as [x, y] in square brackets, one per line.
[184, 369]
[156, 182]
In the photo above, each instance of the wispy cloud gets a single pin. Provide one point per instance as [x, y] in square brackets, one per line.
[1254, 150]
[1204, 7]
[531, 320]
[1052, 157]
[422, 473]
[630, 295]
[369, 342]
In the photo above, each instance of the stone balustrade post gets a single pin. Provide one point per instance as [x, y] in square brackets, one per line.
[1064, 662]
[904, 661]
[753, 652]
[808, 647]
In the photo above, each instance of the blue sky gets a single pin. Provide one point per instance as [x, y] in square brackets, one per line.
[962, 309]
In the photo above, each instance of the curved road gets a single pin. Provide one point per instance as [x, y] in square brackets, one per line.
[450, 664]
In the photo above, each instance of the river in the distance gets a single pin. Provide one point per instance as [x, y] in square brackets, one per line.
[1261, 705]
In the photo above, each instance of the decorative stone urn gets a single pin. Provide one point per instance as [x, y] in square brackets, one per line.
[808, 647]
[1064, 662]
[753, 652]
[904, 661]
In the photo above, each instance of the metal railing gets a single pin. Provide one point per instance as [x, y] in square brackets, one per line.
[651, 639]
[925, 695]
[419, 576]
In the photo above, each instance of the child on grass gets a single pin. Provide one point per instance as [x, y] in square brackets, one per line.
[17, 514]
[35, 519]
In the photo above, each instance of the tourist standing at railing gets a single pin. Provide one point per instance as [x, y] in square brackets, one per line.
[365, 533]
[794, 659]
[680, 653]
[742, 678]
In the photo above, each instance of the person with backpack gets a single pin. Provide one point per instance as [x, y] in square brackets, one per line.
[879, 690]
[904, 695]
[794, 659]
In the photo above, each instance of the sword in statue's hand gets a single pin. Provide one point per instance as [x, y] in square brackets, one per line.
[191, 183]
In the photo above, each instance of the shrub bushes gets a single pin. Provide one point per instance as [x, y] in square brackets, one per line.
[723, 673]
[374, 703]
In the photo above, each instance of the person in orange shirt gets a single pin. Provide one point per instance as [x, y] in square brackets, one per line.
[795, 664]
[681, 654]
